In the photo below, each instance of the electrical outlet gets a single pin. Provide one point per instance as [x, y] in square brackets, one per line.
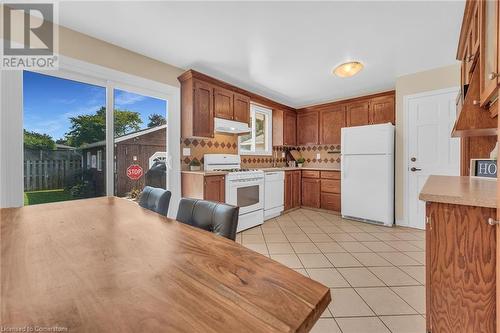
[318, 156]
[186, 151]
[283, 155]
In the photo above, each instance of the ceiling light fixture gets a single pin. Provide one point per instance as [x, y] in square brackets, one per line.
[348, 69]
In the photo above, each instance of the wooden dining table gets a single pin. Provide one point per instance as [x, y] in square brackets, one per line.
[108, 265]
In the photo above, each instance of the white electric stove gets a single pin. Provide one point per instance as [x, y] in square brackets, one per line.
[244, 188]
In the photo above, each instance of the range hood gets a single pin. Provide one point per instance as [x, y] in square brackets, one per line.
[231, 126]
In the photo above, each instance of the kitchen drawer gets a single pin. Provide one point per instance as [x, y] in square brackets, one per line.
[330, 186]
[330, 201]
[310, 174]
[330, 174]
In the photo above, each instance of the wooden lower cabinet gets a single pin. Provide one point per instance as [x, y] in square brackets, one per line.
[311, 192]
[215, 188]
[460, 269]
[292, 189]
[321, 189]
[330, 201]
[205, 187]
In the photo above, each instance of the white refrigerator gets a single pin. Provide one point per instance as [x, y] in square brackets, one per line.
[367, 177]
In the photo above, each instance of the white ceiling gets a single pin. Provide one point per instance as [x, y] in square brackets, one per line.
[282, 50]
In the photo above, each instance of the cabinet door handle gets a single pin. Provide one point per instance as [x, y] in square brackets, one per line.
[492, 221]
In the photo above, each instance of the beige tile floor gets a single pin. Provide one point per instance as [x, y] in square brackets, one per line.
[376, 274]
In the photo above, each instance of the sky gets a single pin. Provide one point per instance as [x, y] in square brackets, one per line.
[49, 102]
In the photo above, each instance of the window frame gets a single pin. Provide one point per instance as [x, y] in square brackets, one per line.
[254, 108]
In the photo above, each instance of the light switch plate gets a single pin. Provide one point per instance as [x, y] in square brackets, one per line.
[282, 154]
[186, 151]
[318, 156]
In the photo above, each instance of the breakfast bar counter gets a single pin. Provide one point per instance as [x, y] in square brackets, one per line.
[468, 191]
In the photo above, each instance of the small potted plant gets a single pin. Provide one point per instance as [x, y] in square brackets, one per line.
[194, 165]
[300, 161]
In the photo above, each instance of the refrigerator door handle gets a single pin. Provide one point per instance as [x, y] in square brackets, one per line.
[344, 168]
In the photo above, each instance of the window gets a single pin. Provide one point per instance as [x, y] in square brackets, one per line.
[99, 160]
[259, 140]
[88, 160]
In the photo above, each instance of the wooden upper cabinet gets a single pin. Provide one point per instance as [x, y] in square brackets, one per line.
[382, 110]
[284, 128]
[307, 131]
[289, 128]
[241, 108]
[488, 14]
[204, 98]
[330, 123]
[358, 113]
[223, 103]
[470, 52]
[278, 126]
[203, 114]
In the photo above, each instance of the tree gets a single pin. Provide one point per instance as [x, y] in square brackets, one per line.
[156, 120]
[91, 128]
[37, 141]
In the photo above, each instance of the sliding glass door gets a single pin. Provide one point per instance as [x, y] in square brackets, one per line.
[140, 142]
[86, 138]
[64, 139]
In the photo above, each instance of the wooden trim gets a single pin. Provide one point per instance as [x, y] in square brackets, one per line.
[319, 107]
[468, 10]
[255, 98]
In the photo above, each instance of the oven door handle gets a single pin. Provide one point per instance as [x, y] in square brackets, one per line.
[257, 180]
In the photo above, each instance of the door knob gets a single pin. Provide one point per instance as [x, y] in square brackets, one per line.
[492, 221]
[415, 169]
[413, 159]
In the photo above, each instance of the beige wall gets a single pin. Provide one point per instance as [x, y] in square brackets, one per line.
[439, 78]
[85, 48]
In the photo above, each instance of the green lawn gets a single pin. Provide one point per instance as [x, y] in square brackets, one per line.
[39, 197]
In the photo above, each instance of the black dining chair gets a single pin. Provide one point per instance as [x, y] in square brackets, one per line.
[155, 199]
[219, 218]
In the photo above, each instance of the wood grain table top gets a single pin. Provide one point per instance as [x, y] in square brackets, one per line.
[468, 191]
[107, 265]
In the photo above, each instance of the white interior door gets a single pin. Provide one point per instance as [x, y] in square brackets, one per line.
[430, 150]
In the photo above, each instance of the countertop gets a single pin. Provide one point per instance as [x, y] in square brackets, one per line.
[216, 173]
[460, 191]
[297, 168]
[206, 173]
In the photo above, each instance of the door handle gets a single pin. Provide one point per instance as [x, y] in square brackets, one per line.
[492, 221]
[413, 169]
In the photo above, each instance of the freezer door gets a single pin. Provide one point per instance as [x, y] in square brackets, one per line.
[371, 139]
[368, 187]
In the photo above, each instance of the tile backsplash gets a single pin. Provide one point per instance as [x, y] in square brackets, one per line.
[227, 144]
[329, 155]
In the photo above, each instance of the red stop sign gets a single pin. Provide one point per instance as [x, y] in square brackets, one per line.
[134, 172]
